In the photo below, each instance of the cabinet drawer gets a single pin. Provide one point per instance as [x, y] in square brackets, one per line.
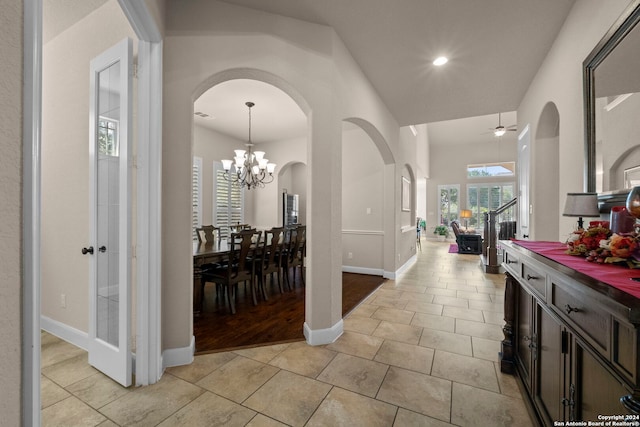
[591, 320]
[535, 279]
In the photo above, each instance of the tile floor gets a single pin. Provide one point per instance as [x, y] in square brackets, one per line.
[421, 351]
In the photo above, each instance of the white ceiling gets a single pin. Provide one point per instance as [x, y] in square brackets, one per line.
[495, 48]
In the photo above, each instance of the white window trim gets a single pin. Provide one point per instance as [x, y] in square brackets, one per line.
[197, 210]
[440, 188]
[217, 166]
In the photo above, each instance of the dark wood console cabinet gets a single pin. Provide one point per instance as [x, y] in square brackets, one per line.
[571, 339]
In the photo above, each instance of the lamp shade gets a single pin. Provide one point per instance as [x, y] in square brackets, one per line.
[466, 213]
[581, 205]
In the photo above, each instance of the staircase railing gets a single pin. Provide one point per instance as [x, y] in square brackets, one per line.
[490, 241]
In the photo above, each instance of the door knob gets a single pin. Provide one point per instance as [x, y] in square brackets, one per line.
[102, 248]
[88, 250]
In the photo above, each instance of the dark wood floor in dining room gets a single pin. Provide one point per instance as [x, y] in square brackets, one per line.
[278, 320]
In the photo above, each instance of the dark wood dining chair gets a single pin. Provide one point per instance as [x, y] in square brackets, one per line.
[296, 252]
[239, 267]
[208, 234]
[270, 260]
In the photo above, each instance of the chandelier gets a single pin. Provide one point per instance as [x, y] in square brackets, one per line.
[251, 169]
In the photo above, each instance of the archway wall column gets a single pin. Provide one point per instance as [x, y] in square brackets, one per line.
[307, 62]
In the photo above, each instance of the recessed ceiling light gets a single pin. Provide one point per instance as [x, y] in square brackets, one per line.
[441, 60]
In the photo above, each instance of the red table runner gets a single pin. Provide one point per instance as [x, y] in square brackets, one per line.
[614, 275]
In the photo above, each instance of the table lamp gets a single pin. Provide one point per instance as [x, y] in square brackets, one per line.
[466, 214]
[581, 205]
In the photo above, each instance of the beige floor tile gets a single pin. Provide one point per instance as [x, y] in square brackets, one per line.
[263, 421]
[463, 313]
[364, 310]
[51, 392]
[466, 370]
[289, 398]
[407, 356]
[71, 412]
[238, 379]
[417, 392]
[480, 330]
[424, 307]
[202, 366]
[430, 321]
[70, 370]
[508, 383]
[344, 408]
[493, 317]
[393, 315]
[148, 406]
[448, 341]
[485, 349]
[385, 302]
[355, 374]
[413, 297]
[471, 404]
[54, 350]
[97, 390]
[414, 288]
[363, 325]
[356, 344]
[107, 423]
[453, 301]
[487, 305]
[398, 332]
[406, 418]
[210, 410]
[264, 353]
[304, 359]
[473, 295]
[437, 292]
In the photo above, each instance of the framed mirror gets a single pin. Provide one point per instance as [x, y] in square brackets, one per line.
[611, 75]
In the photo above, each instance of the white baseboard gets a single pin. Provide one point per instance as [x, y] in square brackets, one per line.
[363, 270]
[393, 274]
[179, 356]
[69, 334]
[323, 336]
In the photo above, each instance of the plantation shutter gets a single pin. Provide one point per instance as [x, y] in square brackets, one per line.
[196, 196]
[229, 206]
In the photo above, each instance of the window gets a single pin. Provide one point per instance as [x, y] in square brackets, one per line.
[482, 198]
[501, 169]
[108, 143]
[229, 201]
[449, 203]
[196, 195]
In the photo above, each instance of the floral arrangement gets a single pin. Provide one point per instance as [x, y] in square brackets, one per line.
[598, 244]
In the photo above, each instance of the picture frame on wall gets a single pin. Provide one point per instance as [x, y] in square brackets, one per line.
[406, 195]
[632, 177]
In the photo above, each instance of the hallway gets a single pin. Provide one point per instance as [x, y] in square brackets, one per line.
[422, 350]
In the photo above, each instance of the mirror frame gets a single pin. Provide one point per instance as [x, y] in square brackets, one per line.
[618, 31]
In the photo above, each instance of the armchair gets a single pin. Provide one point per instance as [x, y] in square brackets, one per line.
[467, 243]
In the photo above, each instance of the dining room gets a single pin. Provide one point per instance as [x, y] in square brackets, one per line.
[256, 116]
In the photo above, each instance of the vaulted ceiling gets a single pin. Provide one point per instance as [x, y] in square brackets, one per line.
[494, 47]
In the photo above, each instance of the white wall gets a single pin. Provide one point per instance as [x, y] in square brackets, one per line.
[559, 80]
[362, 206]
[11, 106]
[65, 160]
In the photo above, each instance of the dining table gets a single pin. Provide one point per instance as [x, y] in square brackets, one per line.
[205, 253]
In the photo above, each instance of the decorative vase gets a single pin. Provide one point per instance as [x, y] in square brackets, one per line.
[633, 202]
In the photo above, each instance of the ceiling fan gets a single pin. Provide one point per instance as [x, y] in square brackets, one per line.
[500, 130]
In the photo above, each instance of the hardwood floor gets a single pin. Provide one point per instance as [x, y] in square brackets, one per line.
[277, 320]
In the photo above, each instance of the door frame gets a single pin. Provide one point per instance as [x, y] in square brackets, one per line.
[149, 164]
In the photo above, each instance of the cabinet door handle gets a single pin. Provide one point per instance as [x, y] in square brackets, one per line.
[570, 309]
[530, 277]
[512, 261]
[88, 250]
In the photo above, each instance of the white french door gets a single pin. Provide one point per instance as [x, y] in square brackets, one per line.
[110, 195]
